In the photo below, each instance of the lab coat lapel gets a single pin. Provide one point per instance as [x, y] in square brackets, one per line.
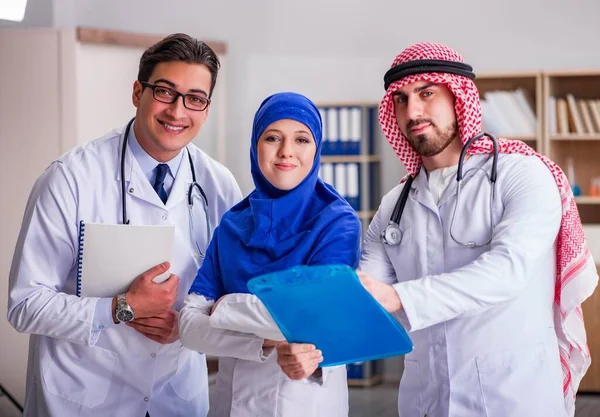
[449, 192]
[182, 182]
[421, 193]
[136, 183]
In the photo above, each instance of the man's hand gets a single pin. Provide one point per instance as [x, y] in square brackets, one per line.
[298, 360]
[385, 294]
[162, 328]
[149, 299]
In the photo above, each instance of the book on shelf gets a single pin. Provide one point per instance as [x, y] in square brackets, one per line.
[572, 115]
[508, 113]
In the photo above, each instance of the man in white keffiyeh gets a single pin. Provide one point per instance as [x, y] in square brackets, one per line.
[497, 328]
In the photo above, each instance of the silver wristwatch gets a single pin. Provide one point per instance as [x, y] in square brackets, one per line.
[124, 311]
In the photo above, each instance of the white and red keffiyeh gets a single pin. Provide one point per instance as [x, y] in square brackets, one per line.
[576, 275]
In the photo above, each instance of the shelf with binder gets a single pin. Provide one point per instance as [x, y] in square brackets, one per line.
[346, 129]
[364, 374]
[352, 163]
[349, 160]
[511, 105]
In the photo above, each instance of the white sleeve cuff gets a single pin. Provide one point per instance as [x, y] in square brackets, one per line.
[247, 314]
[407, 316]
[102, 319]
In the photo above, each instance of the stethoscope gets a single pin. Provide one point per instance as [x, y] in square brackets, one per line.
[190, 200]
[392, 235]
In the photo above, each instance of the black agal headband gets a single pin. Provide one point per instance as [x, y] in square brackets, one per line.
[421, 66]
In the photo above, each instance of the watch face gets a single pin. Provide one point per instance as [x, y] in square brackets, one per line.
[124, 316]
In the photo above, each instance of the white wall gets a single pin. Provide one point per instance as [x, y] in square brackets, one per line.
[29, 141]
[333, 50]
[38, 13]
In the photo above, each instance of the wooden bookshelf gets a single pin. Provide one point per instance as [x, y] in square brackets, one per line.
[583, 149]
[530, 83]
[586, 199]
[578, 144]
[575, 137]
[591, 316]
[559, 84]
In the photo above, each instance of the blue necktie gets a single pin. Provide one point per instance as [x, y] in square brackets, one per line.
[159, 182]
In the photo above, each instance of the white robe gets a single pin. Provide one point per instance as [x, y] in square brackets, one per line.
[481, 319]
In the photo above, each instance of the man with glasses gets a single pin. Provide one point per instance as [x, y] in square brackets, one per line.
[122, 356]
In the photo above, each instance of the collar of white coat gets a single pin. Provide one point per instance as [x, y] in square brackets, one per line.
[134, 174]
[420, 184]
[148, 163]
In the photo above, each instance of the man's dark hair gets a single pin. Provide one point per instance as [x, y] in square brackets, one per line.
[179, 47]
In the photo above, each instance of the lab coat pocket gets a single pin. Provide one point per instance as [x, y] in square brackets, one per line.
[518, 382]
[410, 400]
[80, 374]
[302, 398]
[188, 383]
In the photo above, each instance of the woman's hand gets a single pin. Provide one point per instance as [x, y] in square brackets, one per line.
[214, 306]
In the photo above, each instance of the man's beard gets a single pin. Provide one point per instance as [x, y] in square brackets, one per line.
[431, 144]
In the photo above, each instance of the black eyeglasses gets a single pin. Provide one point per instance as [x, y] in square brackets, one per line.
[170, 96]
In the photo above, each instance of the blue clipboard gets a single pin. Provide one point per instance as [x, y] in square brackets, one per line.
[328, 307]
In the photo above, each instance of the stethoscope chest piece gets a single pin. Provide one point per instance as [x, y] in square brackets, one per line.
[391, 235]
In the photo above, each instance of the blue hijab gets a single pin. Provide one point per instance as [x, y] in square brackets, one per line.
[272, 229]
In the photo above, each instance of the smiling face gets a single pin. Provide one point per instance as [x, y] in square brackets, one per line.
[286, 153]
[426, 116]
[163, 129]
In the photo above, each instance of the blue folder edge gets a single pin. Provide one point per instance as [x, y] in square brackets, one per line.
[327, 306]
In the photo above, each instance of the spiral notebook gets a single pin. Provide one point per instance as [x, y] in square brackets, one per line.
[328, 307]
[111, 256]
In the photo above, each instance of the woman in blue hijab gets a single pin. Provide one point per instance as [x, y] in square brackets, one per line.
[292, 218]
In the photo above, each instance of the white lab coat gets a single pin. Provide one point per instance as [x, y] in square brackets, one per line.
[74, 369]
[481, 319]
[250, 382]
